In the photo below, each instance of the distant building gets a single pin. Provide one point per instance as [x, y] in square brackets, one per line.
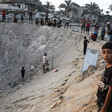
[21, 1]
[30, 4]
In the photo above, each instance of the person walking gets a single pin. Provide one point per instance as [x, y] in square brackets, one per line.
[31, 17]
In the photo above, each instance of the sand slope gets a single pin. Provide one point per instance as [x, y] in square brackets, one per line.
[62, 91]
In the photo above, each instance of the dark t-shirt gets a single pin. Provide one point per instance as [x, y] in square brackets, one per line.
[83, 22]
[30, 14]
[109, 30]
[105, 82]
[86, 42]
[22, 72]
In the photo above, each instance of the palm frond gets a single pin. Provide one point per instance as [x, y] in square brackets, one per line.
[92, 9]
[62, 5]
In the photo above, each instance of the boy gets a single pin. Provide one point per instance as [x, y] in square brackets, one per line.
[103, 33]
[44, 61]
[93, 37]
[67, 20]
[22, 73]
[104, 94]
[85, 44]
[88, 26]
[83, 24]
[47, 65]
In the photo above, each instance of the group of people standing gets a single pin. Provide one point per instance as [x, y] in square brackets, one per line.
[50, 22]
[85, 25]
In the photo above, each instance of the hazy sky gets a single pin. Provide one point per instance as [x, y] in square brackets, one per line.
[103, 4]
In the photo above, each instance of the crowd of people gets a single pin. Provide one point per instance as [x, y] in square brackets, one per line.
[104, 92]
[42, 21]
[86, 24]
[50, 22]
[55, 22]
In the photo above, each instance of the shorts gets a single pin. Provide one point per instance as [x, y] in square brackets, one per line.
[87, 29]
[22, 75]
[83, 27]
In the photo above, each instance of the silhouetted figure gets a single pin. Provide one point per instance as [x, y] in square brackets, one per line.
[22, 17]
[30, 17]
[23, 73]
[85, 44]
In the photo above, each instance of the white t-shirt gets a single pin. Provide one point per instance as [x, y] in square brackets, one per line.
[44, 59]
[67, 20]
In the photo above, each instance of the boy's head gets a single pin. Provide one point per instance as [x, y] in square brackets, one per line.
[107, 52]
[84, 37]
[45, 54]
[107, 45]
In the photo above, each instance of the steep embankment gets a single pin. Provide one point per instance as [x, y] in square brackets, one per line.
[62, 91]
[24, 45]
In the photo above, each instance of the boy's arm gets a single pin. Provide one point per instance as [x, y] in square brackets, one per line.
[108, 99]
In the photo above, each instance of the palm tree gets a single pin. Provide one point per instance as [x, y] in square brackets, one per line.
[107, 12]
[47, 7]
[91, 9]
[69, 6]
[110, 7]
[52, 7]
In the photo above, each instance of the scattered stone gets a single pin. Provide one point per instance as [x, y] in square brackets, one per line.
[1, 95]
[58, 103]
[12, 84]
[69, 75]
[66, 80]
[63, 84]
[57, 90]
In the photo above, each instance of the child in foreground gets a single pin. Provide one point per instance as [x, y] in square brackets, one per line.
[104, 94]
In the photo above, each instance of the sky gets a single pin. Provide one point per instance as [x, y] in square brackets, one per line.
[103, 4]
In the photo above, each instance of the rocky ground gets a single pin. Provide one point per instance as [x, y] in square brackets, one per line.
[64, 91]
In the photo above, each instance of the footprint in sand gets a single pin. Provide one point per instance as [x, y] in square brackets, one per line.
[58, 103]
[73, 72]
[66, 80]
[69, 75]
[63, 84]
